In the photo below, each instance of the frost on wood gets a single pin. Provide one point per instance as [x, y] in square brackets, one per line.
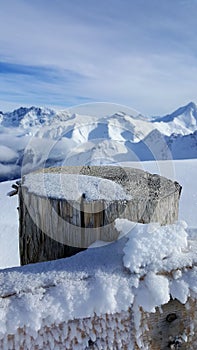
[92, 300]
[63, 210]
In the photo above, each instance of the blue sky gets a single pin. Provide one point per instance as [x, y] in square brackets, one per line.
[140, 53]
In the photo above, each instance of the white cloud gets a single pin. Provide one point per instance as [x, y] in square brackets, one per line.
[7, 155]
[9, 171]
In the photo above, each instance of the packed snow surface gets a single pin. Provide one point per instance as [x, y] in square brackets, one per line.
[73, 186]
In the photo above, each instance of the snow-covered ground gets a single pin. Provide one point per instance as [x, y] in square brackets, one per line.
[9, 250]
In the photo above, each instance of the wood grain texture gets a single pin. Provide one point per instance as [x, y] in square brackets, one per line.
[52, 228]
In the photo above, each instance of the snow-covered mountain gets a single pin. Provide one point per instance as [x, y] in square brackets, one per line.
[26, 117]
[183, 121]
[36, 137]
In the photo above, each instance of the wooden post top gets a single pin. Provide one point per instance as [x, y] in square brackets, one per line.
[134, 182]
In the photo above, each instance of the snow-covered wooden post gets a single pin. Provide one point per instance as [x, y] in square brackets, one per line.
[64, 210]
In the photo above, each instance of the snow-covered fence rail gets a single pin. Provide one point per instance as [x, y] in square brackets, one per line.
[64, 210]
[113, 331]
[120, 296]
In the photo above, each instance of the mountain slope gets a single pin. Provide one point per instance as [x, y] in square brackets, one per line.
[35, 137]
[27, 117]
[183, 121]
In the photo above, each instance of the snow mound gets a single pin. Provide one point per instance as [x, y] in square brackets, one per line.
[153, 247]
[153, 292]
[161, 257]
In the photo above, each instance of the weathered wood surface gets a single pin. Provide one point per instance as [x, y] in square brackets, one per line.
[173, 328]
[51, 228]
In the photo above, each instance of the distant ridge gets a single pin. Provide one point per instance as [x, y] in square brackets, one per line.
[35, 137]
[182, 121]
[187, 109]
